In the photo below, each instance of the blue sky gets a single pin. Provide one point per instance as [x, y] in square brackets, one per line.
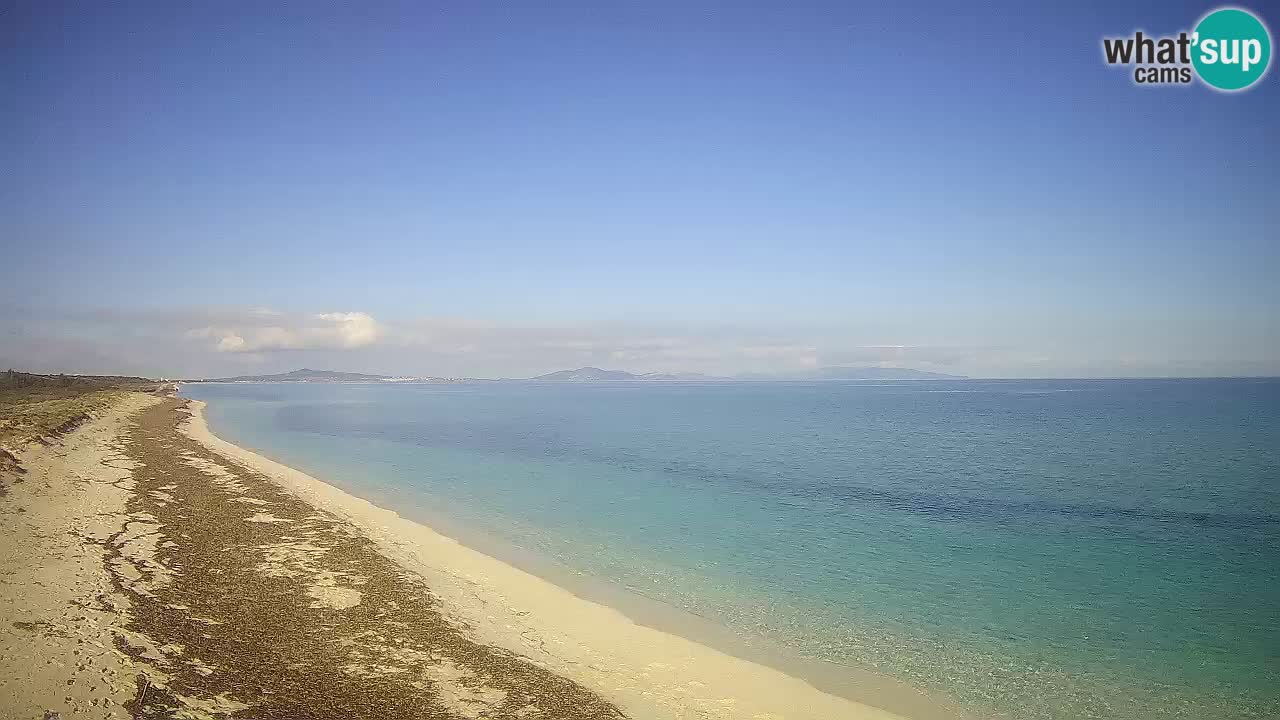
[503, 190]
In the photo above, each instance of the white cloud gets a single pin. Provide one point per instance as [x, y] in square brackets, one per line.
[353, 329]
[268, 331]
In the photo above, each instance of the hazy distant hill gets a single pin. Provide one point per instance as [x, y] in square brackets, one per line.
[595, 374]
[307, 375]
[586, 374]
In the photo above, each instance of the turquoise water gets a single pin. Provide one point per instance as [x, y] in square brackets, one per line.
[1031, 549]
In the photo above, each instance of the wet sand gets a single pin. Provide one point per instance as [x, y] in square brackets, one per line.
[158, 571]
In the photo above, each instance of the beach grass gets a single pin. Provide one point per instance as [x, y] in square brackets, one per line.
[34, 407]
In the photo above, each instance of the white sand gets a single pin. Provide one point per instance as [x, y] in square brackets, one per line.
[59, 613]
[647, 672]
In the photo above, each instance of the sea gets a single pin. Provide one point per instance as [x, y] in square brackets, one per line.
[1028, 549]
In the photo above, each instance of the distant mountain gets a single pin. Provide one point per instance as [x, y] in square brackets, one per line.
[585, 374]
[307, 375]
[595, 374]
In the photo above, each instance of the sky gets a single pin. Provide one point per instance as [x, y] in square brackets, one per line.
[506, 189]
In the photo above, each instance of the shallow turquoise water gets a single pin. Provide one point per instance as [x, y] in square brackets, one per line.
[1033, 549]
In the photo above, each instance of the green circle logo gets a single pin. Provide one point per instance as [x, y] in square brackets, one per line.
[1232, 49]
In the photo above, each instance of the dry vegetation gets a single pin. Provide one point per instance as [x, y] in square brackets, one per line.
[35, 407]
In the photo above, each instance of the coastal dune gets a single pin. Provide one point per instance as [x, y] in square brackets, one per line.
[154, 569]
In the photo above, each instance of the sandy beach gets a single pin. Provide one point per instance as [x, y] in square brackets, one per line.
[63, 620]
[153, 569]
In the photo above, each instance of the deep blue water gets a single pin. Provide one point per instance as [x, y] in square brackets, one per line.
[1033, 549]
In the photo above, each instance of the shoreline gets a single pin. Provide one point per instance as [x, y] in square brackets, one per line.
[861, 686]
[145, 575]
[527, 605]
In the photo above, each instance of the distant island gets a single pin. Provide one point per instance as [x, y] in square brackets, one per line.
[596, 375]
[307, 375]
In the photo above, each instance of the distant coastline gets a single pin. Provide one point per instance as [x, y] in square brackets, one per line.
[595, 374]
